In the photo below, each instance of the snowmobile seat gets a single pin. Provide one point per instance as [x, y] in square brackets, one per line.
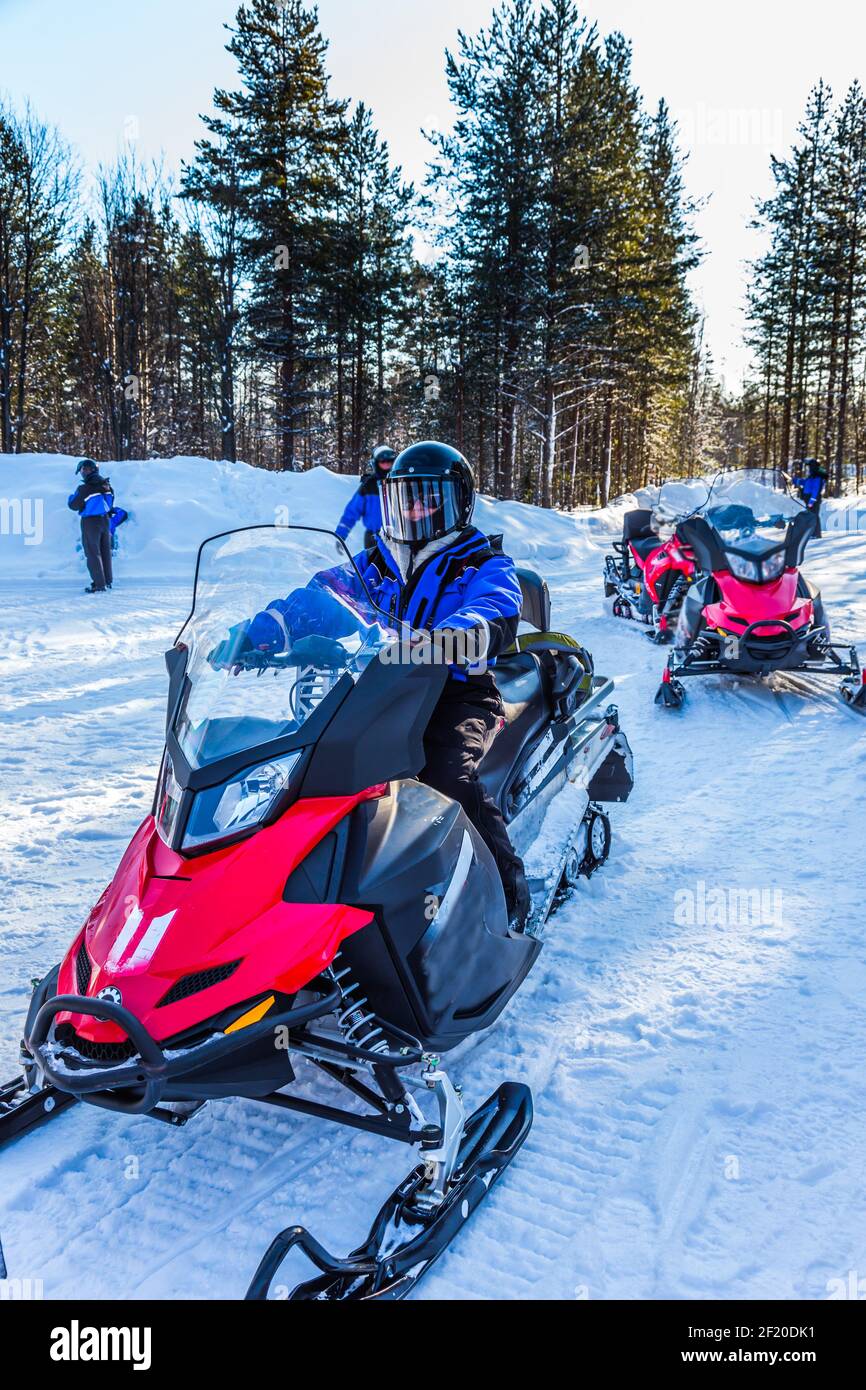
[544, 674]
[536, 600]
[637, 532]
[522, 687]
[644, 545]
[637, 525]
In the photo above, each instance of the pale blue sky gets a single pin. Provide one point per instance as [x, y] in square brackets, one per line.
[735, 73]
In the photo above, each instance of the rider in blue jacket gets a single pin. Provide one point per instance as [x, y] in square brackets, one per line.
[93, 499]
[811, 484]
[811, 488]
[365, 505]
[435, 572]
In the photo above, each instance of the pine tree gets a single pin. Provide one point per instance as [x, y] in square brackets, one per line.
[213, 184]
[286, 134]
[37, 189]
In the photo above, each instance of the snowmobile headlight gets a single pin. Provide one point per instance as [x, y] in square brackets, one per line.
[742, 568]
[239, 804]
[169, 796]
[773, 564]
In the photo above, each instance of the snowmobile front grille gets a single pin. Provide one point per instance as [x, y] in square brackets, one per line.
[193, 984]
[82, 969]
[775, 646]
[102, 1051]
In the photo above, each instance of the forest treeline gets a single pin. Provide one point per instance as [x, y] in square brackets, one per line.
[291, 300]
[807, 299]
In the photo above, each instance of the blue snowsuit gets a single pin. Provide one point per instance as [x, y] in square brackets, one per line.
[94, 500]
[464, 586]
[811, 489]
[364, 506]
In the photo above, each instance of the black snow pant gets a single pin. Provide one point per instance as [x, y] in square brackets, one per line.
[464, 723]
[96, 539]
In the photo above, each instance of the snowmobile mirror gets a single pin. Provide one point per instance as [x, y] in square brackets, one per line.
[175, 663]
[801, 531]
[697, 532]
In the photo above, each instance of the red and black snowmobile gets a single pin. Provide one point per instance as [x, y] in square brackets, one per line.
[649, 575]
[752, 612]
[298, 892]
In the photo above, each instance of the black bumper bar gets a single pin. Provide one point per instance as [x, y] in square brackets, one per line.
[753, 659]
[136, 1086]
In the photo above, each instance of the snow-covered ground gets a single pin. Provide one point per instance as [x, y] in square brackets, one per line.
[696, 1055]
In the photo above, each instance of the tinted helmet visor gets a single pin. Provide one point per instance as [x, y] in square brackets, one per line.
[419, 509]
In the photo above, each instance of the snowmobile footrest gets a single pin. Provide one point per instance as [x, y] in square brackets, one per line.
[410, 1233]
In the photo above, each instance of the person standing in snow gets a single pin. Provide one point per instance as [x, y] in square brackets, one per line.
[365, 506]
[811, 488]
[93, 499]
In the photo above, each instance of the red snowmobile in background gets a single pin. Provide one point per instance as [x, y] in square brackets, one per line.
[752, 612]
[298, 892]
[649, 576]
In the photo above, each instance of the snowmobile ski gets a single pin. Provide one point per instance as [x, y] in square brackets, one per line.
[416, 1224]
[22, 1109]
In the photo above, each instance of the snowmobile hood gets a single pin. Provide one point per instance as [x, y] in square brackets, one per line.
[751, 603]
[179, 941]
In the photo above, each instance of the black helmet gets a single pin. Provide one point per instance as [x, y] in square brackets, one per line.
[380, 461]
[429, 492]
[813, 466]
[87, 468]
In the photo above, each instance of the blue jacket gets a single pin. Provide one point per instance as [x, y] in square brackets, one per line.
[466, 585]
[364, 506]
[92, 498]
[811, 488]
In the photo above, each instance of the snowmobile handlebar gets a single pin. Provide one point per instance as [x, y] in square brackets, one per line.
[321, 653]
[150, 1069]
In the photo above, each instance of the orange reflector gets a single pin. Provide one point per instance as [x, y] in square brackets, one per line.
[252, 1015]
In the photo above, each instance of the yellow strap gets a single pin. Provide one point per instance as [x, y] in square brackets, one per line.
[528, 641]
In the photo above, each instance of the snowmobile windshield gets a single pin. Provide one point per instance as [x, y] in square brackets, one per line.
[297, 593]
[755, 547]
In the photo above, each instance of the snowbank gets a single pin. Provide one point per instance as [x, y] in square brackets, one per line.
[174, 504]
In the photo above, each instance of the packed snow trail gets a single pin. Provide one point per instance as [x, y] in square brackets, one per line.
[699, 1091]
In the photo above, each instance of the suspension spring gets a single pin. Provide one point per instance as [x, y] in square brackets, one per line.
[678, 588]
[358, 1025]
